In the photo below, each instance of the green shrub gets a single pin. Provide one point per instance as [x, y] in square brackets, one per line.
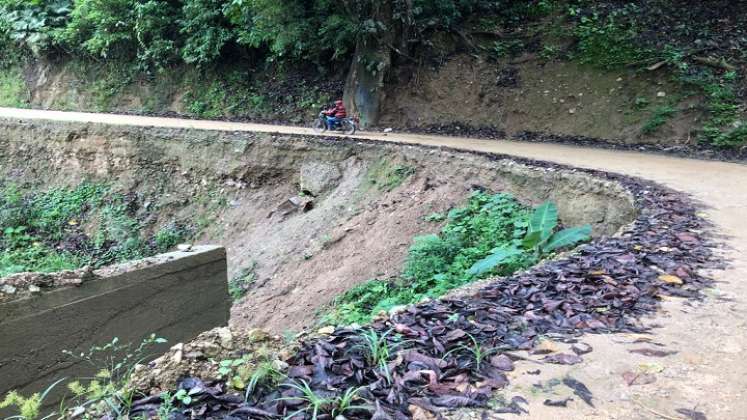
[44, 231]
[13, 91]
[103, 28]
[169, 237]
[724, 128]
[205, 31]
[156, 33]
[386, 176]
[492, 235]
[540, 239]
[109, 390]
[438, 263]
[31, 24]
[53, 212]
[301, 29]
[609, 42]
[38, 258]
[660, 116]
[239, 285]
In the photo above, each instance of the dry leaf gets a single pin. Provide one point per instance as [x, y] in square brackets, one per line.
[670, 279]
[650, 368]
[419, 413]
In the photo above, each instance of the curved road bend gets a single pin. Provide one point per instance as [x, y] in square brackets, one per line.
[709, 372]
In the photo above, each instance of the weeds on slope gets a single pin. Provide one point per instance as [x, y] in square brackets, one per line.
[492, 235]
[66, 228]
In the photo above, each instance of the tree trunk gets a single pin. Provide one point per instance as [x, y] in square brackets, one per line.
[364, 87]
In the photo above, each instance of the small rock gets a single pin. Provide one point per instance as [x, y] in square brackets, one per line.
[77, 412]
[34, 289]
[572, 111]
[257, 335]
[210, 349]
[388, 130]
[326, 330]
[280, 365]
[317, 178]
[178, 353]
[546, 346]
[226, 337]
[661, 94]
[184, 247]
[619, 79]
[670, 279]
[8, 289]
[396, 309]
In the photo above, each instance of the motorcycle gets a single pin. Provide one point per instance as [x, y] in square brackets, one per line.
[346, 125]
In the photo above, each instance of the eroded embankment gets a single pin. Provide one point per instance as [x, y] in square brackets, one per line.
[605, 286]
[455, 353]
[289, 209]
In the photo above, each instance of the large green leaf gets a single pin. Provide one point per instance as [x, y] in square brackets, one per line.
[544, 220]
[568, 237]
[532, 239]
[493, 260]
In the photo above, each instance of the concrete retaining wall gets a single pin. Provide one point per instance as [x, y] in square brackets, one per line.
[176, 296]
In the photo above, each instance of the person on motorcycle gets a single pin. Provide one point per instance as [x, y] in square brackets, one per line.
[335, 114]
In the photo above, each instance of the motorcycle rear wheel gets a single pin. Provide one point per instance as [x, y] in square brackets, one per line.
[348, 127]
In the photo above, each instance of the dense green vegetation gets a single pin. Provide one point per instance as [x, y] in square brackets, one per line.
[67, 228]
[492, 235]
[157, 33]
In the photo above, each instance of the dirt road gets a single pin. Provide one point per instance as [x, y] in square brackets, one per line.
[708, 373]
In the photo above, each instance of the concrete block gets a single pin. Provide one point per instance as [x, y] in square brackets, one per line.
[176, 296]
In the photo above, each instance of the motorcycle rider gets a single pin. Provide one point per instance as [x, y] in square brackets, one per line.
[336, 114]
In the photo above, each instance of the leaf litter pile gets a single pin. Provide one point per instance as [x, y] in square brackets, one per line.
[453, 353]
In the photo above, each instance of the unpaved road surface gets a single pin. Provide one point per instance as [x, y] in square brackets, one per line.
[708, 373]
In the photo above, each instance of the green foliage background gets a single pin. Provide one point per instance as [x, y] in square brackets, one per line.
[43, 231]
[156, 33]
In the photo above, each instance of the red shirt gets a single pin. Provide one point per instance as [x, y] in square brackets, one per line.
[338, 112]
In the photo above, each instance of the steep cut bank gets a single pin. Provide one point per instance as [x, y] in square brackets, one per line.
[290, 208]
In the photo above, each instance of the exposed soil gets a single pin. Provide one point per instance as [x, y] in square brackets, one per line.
[557, 97]
[231, 91]
[705, 375]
